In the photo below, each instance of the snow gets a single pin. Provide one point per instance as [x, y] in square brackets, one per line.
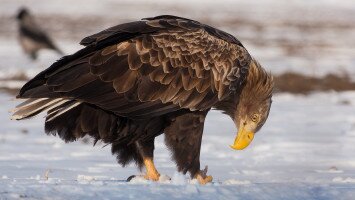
[305, 150]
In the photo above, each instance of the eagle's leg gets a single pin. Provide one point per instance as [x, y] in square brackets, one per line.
[183, 137]
[152, 173]
[146, 149]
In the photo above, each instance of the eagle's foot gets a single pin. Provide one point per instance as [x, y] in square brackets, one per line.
[203, 180]
[202, 176]
[152, 176]
[152, 173]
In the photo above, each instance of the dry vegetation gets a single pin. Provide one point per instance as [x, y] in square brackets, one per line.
[287, 82]
[304, 39]
[297, 83]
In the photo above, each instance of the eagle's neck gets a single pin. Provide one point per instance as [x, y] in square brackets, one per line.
[258, 86]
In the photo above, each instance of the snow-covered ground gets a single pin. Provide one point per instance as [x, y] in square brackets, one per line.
[305, 150]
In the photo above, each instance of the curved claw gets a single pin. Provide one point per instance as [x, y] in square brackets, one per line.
[204, 180]
[202, 176]
[152, 176]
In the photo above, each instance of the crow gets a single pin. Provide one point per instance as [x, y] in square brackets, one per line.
[32, 38]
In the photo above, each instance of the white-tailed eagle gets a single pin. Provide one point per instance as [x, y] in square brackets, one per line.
[135, 81]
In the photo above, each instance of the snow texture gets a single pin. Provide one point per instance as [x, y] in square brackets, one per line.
[305, 150]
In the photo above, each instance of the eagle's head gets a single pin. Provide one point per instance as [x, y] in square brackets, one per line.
[254, 105]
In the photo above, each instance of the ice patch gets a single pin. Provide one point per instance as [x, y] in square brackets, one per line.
[51, 181]
[255, 173]
[332, 170]
[236, 182]
[108, 165]
[37, 177]
[16, 196]
[344, 180]
[178, 179]
[57, 145]
[95, 170]
[80, 154]
[262, 148]
[45, 140]
[191, 189]
[84, 178]
[98, 183]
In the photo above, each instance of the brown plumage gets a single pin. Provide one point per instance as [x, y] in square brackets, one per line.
[135, 81]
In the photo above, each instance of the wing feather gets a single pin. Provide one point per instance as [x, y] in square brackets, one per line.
[125, 82]
[154, 66]
[134, 60]
[121, 67]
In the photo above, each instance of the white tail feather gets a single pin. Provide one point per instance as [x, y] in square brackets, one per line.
[30, 102]
[63, 111]
[32, 106]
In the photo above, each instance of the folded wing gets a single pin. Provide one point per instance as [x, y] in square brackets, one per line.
[148, 68]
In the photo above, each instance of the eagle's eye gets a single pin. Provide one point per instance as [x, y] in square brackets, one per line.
[254, 117]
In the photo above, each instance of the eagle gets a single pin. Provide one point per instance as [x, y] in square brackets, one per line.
[137, 80]
[31, 37]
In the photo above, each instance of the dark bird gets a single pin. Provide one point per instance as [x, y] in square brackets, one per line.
[32, 38]
[135, 81]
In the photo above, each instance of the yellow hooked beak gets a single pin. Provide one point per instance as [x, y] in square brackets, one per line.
[243, 139]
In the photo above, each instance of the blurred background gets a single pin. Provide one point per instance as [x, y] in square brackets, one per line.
[314, 38]
[309, 46]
